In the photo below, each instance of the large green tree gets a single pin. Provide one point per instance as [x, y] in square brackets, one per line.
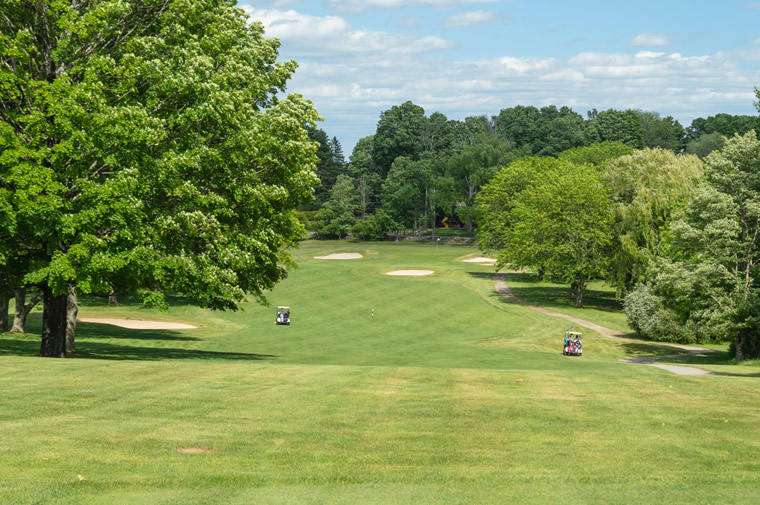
[338, 214]
[562, 225]
[664, 132]
[496, 200]
[474, 166]
[365, 173]
[616, 126]
[647, 186]
[145, 144]
[399, 133]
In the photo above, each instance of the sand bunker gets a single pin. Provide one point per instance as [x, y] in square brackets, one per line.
[137, 324]
[412, 273]
[480, 260]
[340, 256]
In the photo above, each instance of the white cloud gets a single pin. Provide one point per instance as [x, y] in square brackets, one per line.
[650, 40]
[648, 54]
[327, 36]
[351, 94]
[473, 18]
[352, 75]
[362, 5]
[525, 65]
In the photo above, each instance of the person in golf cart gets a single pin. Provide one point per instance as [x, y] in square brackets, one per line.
[283, 316]
[573, 346]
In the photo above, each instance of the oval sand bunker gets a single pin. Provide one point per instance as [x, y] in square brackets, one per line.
[411, 273]
[480, 260]
[340, 256]
[137, 324]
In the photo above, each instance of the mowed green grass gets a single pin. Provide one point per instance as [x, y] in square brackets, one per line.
[448, 395]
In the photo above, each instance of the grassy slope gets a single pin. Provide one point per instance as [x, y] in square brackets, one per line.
[449, 395]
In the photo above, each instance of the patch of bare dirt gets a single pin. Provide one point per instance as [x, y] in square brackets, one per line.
[194, 450]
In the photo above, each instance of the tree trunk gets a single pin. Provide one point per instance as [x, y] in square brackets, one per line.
[580, 288]
[23, 309]
[53, 324]
[541, 272]
[72, 309]
[739, 345]
[4, 312]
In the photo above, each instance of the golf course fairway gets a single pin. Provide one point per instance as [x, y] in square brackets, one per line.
[385, 389]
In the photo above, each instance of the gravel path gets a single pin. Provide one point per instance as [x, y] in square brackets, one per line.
[502, 288]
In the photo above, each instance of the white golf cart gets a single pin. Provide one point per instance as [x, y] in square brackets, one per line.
[283, 315]
[573, 346]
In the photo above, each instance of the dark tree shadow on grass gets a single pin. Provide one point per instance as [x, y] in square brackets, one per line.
[97, 350]
[26, 345]
[29, 345]
[646, 348]
[552, 296]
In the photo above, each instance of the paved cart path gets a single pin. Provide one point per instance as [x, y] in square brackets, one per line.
[502, 288]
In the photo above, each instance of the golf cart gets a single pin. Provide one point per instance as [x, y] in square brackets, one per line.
[573, 345]
[283, 315]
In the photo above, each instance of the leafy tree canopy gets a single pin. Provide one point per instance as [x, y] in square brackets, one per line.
[597, 154]
[496, 200]
[144, 144]
[399, 133]
[562, 225]
[647, 187]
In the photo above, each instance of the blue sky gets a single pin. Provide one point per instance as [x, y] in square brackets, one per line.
[357, 58]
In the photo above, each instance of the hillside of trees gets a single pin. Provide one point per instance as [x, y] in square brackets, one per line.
[418, 169]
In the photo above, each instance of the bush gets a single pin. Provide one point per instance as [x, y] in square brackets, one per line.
[307, 218]
[328, 224]
[647, 315]
[372, 227]
[641, 307]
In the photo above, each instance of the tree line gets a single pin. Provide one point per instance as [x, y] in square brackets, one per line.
[417, 169]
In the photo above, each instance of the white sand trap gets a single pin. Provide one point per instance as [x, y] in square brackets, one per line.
[137, 324]
[411, 273]
[340, 256]
[480, 259]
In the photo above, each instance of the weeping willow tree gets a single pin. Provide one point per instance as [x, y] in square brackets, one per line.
[647, 186]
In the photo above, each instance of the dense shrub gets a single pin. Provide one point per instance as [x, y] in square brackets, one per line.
[372, 227]
[647, 315]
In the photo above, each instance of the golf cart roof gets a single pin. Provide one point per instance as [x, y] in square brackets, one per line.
[283, 307]
[574, 333]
